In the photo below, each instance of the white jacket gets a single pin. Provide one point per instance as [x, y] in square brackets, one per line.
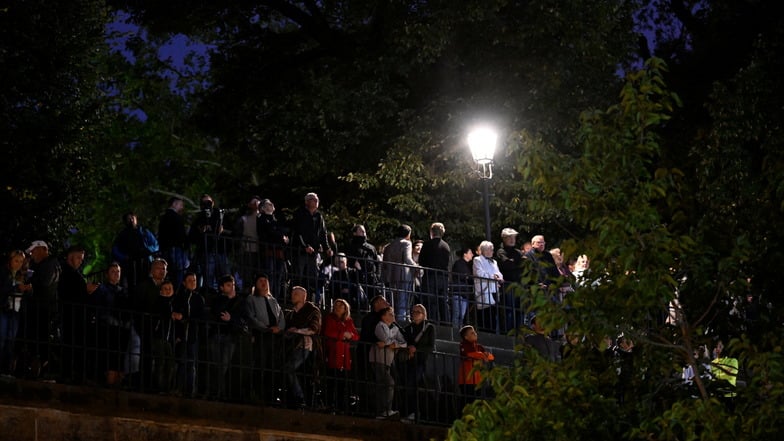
[485, 284]
[389, 334]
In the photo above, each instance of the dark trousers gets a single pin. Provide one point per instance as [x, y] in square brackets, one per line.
[187, 354]
[307, 273]
[267, 366]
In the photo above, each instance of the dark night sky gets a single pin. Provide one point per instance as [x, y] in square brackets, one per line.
[176, 50]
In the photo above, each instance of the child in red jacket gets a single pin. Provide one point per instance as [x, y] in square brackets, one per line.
[472, 356]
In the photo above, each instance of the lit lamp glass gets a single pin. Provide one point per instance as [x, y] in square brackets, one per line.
[482, 142]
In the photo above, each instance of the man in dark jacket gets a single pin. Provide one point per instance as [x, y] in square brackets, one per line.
[542, 262]
[434, 258]
[510, 262]
[133, 250]
[74, 292]
[368, 339]
[303, 322]
[144, 299]
[209, 257]
[173, 239]
[273, 241]
[40, 309]
[230, 339]
[362, 256]
[309, 237]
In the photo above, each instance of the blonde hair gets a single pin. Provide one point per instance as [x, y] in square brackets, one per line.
[344, 303]
[422, 308]
[12, 255]
[16, 253]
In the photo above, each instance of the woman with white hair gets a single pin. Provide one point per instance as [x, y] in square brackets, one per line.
[487, 282]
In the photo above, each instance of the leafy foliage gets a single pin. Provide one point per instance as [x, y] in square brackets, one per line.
[50, 116]
[368, 103]
[671, 200]
[374, 100]
[633, 211]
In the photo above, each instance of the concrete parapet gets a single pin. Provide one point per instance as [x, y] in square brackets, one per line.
[35, 411]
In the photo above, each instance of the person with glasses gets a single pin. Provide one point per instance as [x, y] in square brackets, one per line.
[382, 357]
[542, 262]
[420, 337]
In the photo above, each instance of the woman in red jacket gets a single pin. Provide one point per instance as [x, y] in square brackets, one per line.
[339, 332]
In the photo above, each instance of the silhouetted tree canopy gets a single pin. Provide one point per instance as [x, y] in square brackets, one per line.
[668, 175]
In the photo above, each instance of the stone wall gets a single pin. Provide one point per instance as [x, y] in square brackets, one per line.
[35, 411]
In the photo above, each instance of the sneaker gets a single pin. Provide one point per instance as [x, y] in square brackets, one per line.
[410, 419]
[386, 414]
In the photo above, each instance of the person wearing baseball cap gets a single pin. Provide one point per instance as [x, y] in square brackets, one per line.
[508, 232]
[36, 244]
[41, 308]
[510, 262]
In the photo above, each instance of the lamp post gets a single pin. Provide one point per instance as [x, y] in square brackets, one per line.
[482, 142]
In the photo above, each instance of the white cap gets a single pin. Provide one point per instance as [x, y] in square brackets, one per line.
[508, 232]
[36, 244]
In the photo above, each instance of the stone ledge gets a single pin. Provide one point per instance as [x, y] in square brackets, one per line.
[38, 411]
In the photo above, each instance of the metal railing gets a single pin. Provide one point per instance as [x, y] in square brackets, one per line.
[95, 346]
[86, 343]
[451, 299]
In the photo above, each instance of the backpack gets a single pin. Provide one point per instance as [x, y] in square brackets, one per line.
[149, 240]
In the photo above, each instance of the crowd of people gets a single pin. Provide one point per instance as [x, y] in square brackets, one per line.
[263, 312]
[198, 308]
[193, 342]
[475, 285]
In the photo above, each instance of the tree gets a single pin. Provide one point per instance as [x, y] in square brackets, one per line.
[649, 247]
[701, 188]
[50, 116]
[638, 257]
[149, 151]
[373, 99]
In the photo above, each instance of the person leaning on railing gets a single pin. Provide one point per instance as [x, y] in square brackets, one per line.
[339, 334]
[462, 287]
[420, 337]
[382, 356]
[487, 281]
[12, 287]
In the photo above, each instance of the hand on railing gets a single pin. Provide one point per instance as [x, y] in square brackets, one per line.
[92, 287]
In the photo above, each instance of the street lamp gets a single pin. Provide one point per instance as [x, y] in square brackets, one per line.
[482, 142]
